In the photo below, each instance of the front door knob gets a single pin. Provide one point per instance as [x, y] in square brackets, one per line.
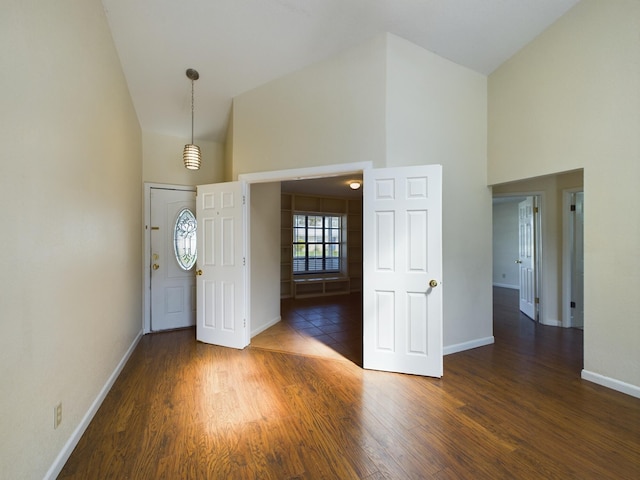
[155, 266]
[433, 283]
[198, 272]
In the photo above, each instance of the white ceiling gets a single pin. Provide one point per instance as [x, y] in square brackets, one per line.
[237, 45]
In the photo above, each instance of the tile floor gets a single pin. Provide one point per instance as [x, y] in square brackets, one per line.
[328, 327]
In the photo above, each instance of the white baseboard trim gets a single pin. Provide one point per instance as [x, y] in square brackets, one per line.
[66, 451]
[265, 327]
[611, 383]
[551, 322]
[461, 347]
[506, 285]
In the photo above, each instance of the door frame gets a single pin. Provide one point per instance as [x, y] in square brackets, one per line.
[538, 201]
[567, 250]
[304, 173]
[146, 248]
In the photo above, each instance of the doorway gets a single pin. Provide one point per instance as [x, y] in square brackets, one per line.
[517, 248]
[404, 335]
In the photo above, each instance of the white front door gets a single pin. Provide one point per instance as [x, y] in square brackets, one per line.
[172, 287]
[402, 243]
[220, 268]
[526, 260]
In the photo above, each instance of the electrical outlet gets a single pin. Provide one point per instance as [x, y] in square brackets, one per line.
[57, 415]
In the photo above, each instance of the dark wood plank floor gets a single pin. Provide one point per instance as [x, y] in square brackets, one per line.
[516, 410]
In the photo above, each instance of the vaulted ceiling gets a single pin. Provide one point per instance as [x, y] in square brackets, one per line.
[237, 45]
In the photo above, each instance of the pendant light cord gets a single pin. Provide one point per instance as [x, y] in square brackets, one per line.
[191, 111]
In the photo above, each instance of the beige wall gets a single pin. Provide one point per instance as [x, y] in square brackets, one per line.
[570, 100]
[162, 161]
[329, 113]
[71, 216]
[436, 112]
[390, 103]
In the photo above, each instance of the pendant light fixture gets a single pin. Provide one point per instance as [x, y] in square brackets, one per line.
[191, 153]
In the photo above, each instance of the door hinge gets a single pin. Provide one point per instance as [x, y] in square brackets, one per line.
[244, 322]
[573, 304]
[573, 208]
[537, 300]
[535, 209]
[244, 200]
[244, 261]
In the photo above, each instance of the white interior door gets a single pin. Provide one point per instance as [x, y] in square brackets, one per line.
[402, 243]
[220, 268]
[172, 287]
[526, 260]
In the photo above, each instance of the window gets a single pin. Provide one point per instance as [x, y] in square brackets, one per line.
[184, 239]
[316, 243]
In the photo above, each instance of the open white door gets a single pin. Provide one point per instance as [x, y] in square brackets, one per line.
[526, 260]
[402, 242]
[220, 285]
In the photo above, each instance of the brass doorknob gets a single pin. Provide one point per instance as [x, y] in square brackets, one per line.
[433, 283]
[198, 272]
[155, 266]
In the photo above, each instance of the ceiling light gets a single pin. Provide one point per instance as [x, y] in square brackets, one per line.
[354, 185]
[191, 153]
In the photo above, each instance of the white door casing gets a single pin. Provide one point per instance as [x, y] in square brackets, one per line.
[221, 272]
[172, 288]
[577, 261]
[402, 242]
[526, 260]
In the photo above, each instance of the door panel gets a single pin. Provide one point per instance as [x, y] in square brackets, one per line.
[221, 279]
[526, 260]
[402, 243]
[172, 288]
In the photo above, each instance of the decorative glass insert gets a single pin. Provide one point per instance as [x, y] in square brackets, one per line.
[184, 239]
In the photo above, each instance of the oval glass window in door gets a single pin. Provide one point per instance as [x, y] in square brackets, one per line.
[184, 239]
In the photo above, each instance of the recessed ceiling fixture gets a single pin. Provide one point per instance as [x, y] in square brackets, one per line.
[354, 185]
[191, 152]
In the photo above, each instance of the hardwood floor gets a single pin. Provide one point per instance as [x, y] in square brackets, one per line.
[514, 410]
[329, 327]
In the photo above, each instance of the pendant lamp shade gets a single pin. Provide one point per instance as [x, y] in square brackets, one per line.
[191, 156]
[191, 153]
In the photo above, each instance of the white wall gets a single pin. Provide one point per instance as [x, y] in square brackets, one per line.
[265, 255]
[162, 161]
[570, 100]
[505, 244]
[71, 216]
[437, 113]
[390, 103]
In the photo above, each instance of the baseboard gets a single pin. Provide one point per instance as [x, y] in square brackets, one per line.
[551, 322]
[265, 327]
[66, 451]
[506, 285]
[461, 347]
[611, 383]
